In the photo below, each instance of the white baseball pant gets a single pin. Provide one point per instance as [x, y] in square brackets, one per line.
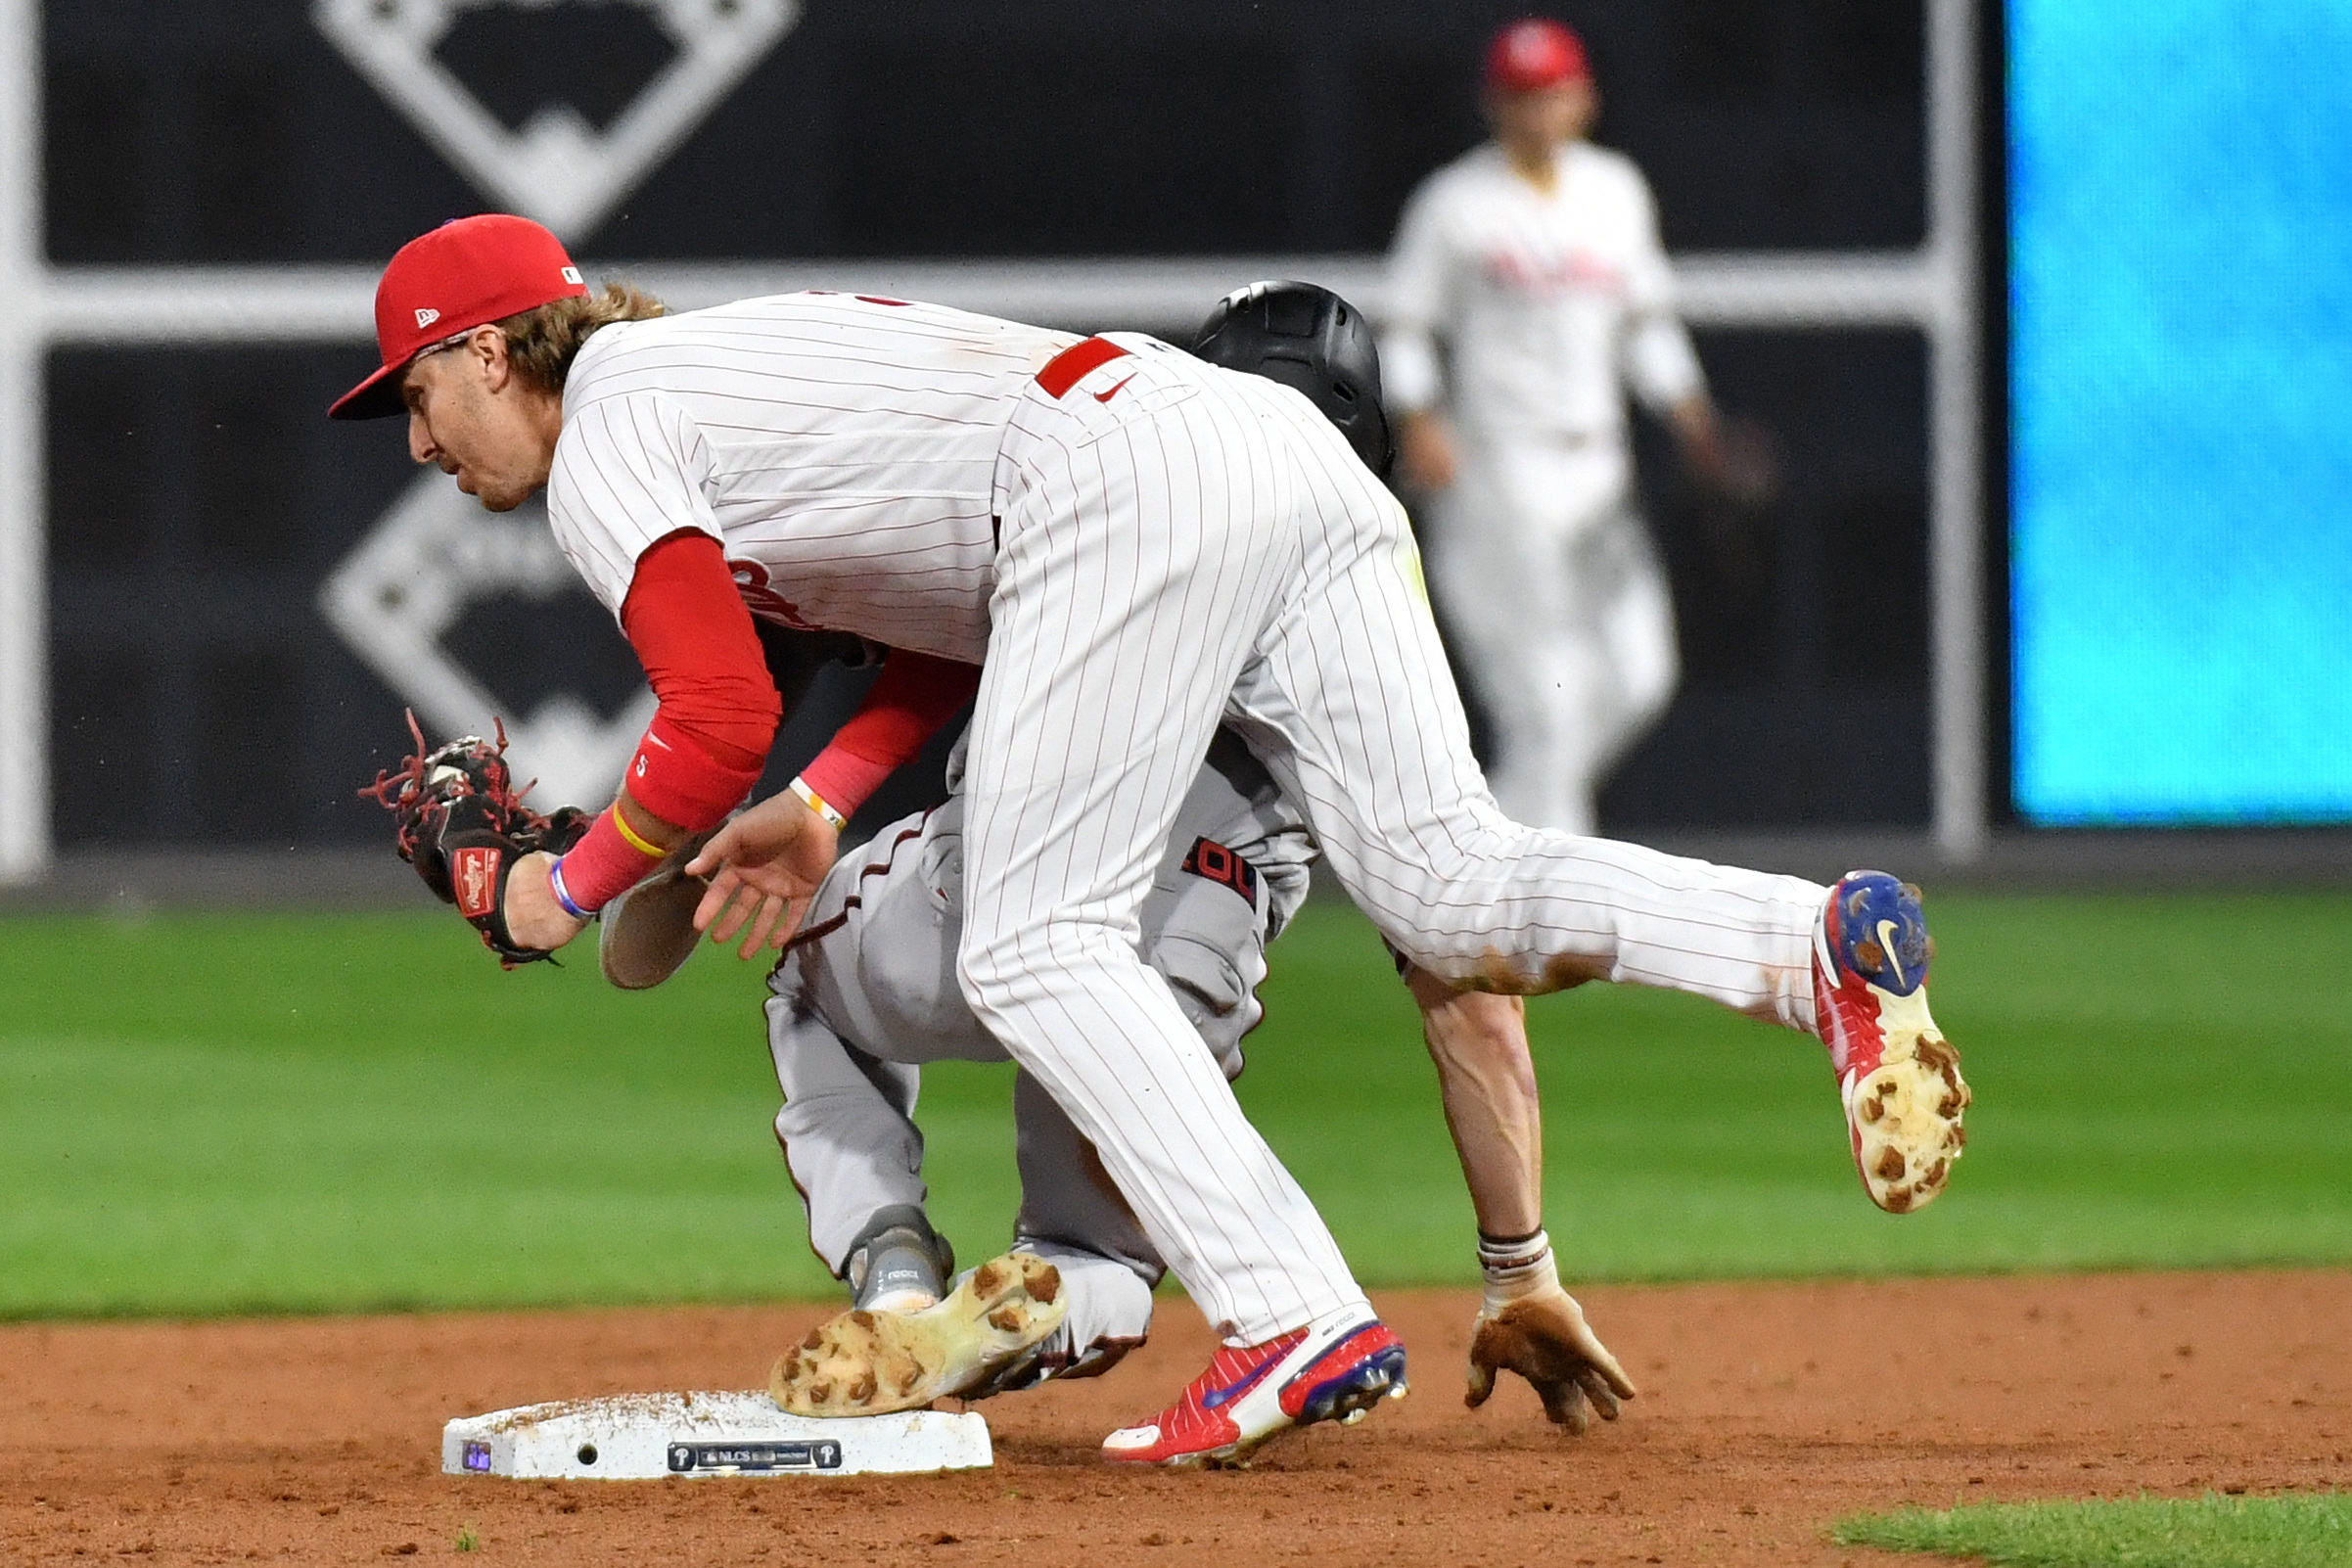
[1556, 602]
[1181, 544]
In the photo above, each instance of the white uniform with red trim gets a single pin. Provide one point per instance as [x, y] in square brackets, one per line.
[1175, 544]
[1546, 304]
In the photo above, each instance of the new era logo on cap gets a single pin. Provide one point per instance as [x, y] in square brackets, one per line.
[427, 317]
[572, 275]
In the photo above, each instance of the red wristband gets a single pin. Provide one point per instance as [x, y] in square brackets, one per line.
[910, 701]
[678, 778]
[845, 779]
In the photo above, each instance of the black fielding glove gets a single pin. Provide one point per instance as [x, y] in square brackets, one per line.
[459, 821]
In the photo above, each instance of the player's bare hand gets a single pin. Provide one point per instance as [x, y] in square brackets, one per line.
[1748, 470]
[1425, 452]
[763, 868]
[1732, 457]
[532, 916]
[1544, 1337]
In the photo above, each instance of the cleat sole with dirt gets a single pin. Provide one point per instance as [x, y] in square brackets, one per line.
[867, 1363]
[1905, 1113]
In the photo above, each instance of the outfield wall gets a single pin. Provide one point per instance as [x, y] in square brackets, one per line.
[202, 199]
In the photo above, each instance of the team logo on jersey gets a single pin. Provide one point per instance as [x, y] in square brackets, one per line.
[751, 581]
[410, 584]
[1212, 862]
[556, 166]
[1573, 271]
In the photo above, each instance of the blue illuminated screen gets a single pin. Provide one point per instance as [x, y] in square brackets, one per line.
[2181, 410]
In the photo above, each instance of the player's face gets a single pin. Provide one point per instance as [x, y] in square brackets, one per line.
[1543, 118]
[470, 415]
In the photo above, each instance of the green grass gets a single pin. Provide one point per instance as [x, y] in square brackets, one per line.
[226, 1113]
[2159, 1083]
[2209, 1532]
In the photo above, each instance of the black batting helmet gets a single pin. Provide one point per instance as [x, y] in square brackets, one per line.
[1309, 338]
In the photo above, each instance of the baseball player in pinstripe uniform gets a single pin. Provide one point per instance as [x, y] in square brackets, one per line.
[866, 991]
[1140, 546]
[1534, 261]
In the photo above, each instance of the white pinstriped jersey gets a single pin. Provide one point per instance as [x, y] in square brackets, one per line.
[1540, 299]
[841, 448]
[1181, 545]
[1234, 802]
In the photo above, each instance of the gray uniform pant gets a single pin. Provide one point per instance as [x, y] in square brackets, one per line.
[867, 992]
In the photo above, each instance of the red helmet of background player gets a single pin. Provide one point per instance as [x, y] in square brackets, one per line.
[467, 273]
[1533, 54]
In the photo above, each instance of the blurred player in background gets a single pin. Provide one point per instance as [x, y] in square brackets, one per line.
[1531, 267]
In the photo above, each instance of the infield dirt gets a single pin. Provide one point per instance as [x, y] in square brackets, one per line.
[1767, 1411]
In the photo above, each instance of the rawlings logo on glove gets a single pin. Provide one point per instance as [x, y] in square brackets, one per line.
[460, 821]
[474, 878]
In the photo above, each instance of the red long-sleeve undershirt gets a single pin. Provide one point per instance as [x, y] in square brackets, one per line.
[718, 711]
[913, 695]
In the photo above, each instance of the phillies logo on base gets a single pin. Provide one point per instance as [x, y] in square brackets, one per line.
[474, 878]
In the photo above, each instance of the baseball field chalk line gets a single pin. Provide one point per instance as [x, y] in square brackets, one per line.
[649, 1437]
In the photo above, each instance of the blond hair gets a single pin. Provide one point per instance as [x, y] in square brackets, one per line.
[541, 344]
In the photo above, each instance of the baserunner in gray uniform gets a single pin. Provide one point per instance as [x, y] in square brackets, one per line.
[866, 992]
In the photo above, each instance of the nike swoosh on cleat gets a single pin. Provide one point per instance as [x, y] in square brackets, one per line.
[1104, 398]
[1886, 939]
[1233, 1391]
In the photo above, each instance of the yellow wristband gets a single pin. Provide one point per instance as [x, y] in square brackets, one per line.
[817, 802]
[637, 841]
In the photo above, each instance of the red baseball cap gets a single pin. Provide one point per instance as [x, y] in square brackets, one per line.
[465, 275]
[1533, 54]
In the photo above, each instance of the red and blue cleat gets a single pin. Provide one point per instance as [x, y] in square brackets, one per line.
[1898, 1077]
[1254, 1394]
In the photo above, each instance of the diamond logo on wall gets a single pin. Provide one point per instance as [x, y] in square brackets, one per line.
[557, 167]
[396, 597]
